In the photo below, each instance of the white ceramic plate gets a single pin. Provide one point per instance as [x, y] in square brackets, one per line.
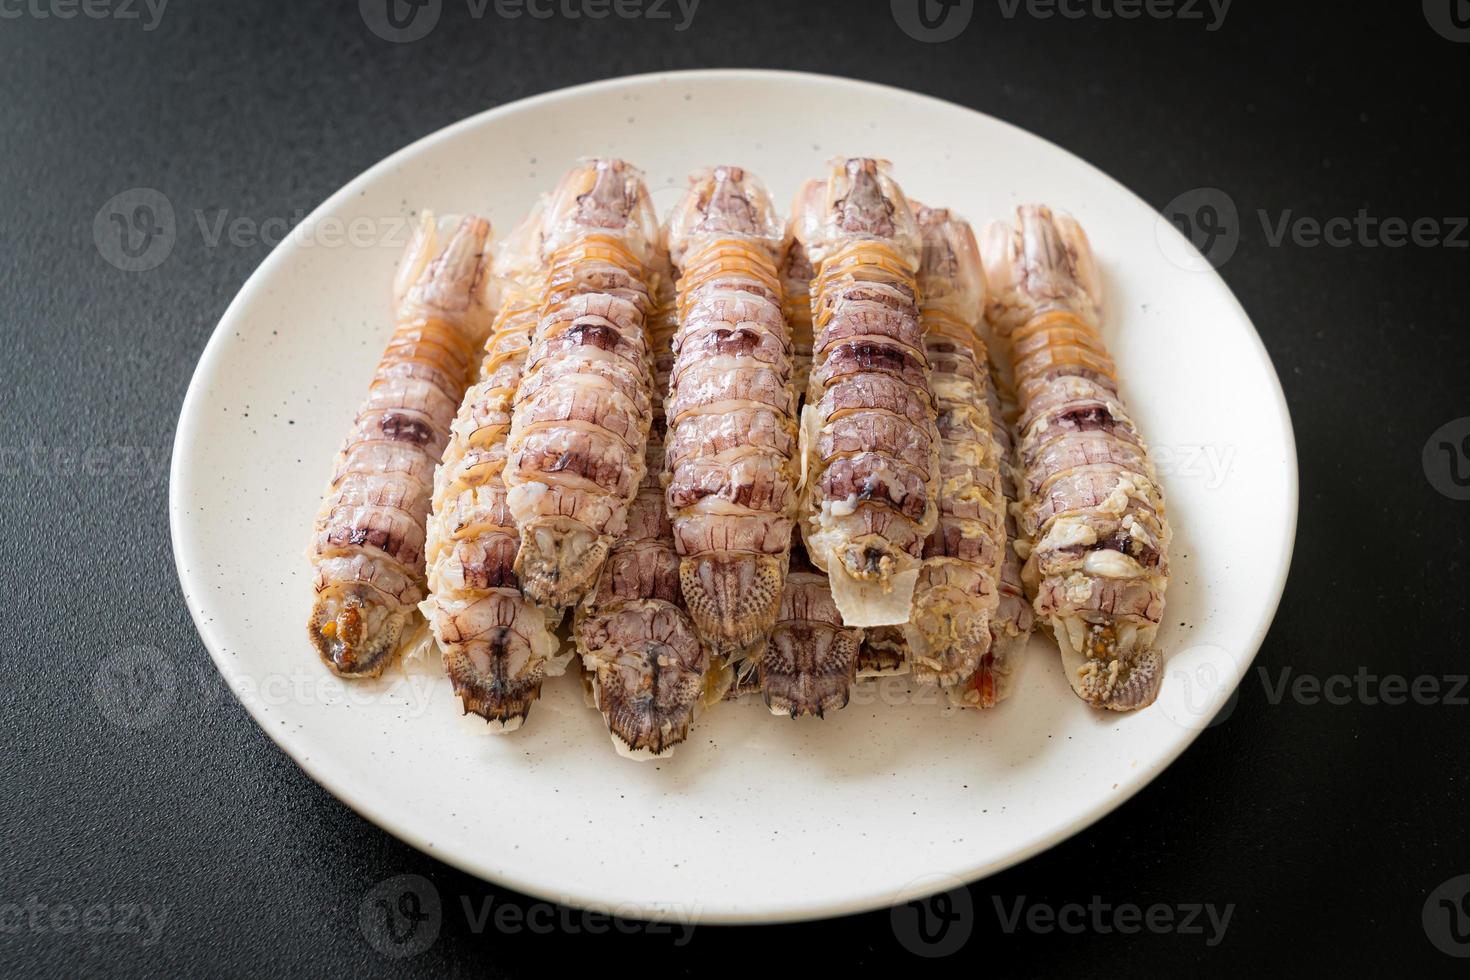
[756, 818]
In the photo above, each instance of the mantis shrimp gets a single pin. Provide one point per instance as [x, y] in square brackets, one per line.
[579, 429]
[732, 411]
[957, 593]
[645, 661]
[870, 443]
[368, 545]
[497, 645]
[1091, 510]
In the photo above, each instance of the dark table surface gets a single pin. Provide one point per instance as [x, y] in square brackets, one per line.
[1332, 828]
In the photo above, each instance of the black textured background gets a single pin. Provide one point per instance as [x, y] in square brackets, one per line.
[1326, 825]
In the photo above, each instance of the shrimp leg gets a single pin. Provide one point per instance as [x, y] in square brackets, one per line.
[870, 442]
[368, 545]
[732, 412]
[497, 645]
[1091, 510]
[579, 431]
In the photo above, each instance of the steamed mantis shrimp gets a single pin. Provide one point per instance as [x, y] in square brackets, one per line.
[957, 593]
[732, 411]
[1091, 510]
[497, 645]
[579, 431]
[870, 442]
[368, 545]
[643, 657]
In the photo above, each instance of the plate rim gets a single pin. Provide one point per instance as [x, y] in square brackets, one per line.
[719, 912]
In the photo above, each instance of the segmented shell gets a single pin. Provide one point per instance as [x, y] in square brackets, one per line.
[582, 412]
[1090, 505]
[368, 542]
[732, 481]
[498, 646]
[647, 666]
[869, 432]
[958, 588]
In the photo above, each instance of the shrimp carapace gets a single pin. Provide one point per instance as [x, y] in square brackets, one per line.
[497, 645]
[580, 424]
[369, 537]
[870, 443]
[647, 668]
[732, 476]
[957, 592]
[1091, 511]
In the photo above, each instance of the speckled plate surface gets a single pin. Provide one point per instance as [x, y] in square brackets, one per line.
[756, 818]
